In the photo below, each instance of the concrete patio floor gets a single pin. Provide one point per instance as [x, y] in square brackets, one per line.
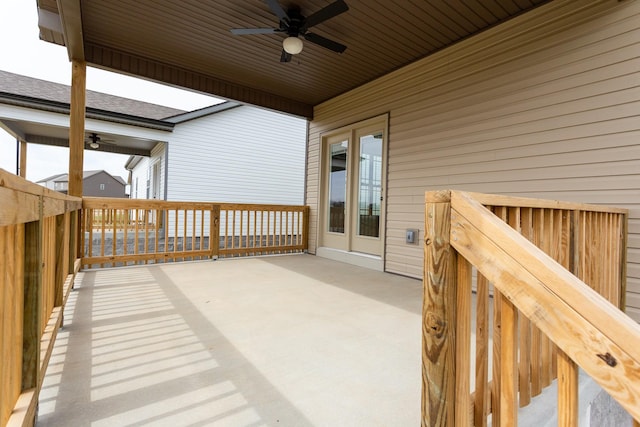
[276, 341]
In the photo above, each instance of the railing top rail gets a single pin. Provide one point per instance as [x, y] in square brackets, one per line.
[263, 207]
[21, 200]
[14, 182]
[122, 203]
[592, 331]
[525, 202]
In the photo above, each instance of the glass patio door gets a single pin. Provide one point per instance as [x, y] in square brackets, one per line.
[336, 203]
[367, 193]
[353, 190]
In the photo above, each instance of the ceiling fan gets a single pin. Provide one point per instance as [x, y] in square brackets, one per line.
[93, 141]
[294, 25]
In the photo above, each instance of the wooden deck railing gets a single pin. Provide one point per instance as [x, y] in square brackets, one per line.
[544, 322]
[37, 268]
[125, 231]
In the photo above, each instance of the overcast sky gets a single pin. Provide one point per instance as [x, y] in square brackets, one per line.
[24, 53]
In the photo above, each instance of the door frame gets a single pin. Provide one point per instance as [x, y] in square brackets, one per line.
[333, 246]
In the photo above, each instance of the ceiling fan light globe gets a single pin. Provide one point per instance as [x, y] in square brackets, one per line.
[292, 45]
[94, 145]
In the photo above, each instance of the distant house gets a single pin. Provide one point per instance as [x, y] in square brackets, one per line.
[95, 183]
[226, 153]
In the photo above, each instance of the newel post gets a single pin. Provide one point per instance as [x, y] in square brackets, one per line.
[438, 314]
[214, 233]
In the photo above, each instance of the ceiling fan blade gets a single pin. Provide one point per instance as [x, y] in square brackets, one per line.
[247, 31]
[285, 57]
[328, 12]
[325, 42]
[277, 10]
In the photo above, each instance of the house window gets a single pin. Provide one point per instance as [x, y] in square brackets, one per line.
[101, 187]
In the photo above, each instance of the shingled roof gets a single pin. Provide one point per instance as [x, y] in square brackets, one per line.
[30, 87]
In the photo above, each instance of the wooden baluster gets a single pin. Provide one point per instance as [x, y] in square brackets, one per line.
[176, 233]
[463, 410]
[226, 229]
[526, 229]
[165, 251]
[233, 230]
[185, 213]
[144, 233]
[481, 396]
[214, 231]
[114, 231]
[103, 227]
[255, 227]
[286, 230]
[268, 228]
[201, 244]
[125, 234]
[567, 391]
[508, 363]
[241, 230]
[496, 381]
[89, 215]
[136, 250]
[280, 232]
[33, 294]
[193, 230]
[546, 350]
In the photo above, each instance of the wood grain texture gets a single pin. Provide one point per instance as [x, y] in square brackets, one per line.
[34, 259]
[568, 388]
[438, 314]
[508, 364]
[482, 393]
[174, 231]
[23, 159]
[592, 332]
[524, 326]
[18, 207]
[32, 305]
[463, 409]
[76, 126]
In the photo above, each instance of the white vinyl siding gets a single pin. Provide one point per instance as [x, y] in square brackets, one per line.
[546, 105]
[142, 174]
[158, 157]
[139, 176]
[240, 155]
[244, 155]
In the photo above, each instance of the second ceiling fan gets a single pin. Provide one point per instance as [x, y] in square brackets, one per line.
[294, 25]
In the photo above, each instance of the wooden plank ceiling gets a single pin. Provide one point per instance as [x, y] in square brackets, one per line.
[188, 43]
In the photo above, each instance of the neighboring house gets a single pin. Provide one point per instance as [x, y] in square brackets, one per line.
[94, 183]
[226, 153]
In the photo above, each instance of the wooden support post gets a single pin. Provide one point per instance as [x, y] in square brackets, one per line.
[305, 228]
[438, 314]
[23, 159]
[32, 323]
[76, 126]
[214, 232]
